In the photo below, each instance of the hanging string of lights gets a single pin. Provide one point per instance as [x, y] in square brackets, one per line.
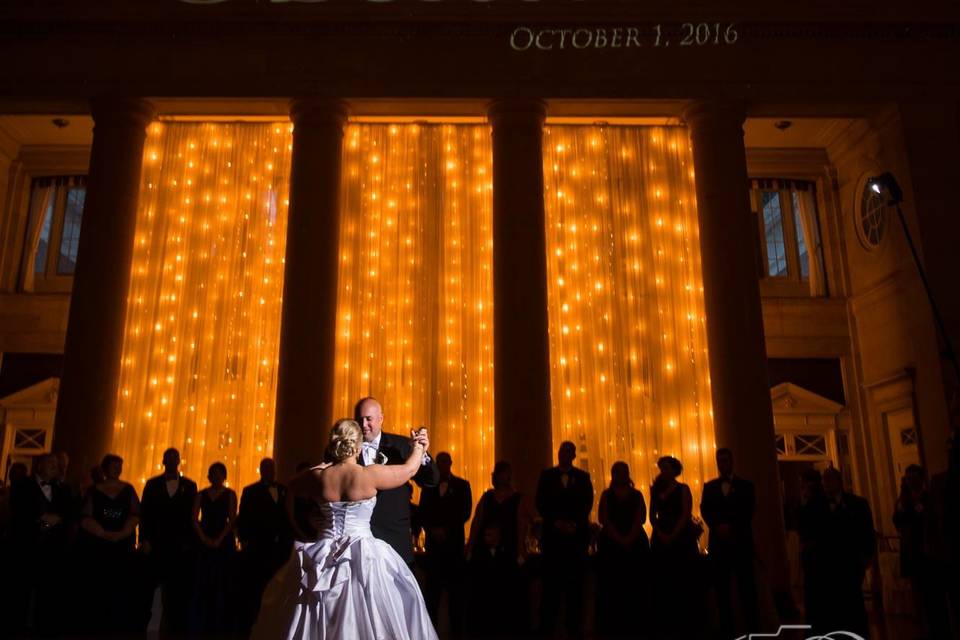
[629, 370]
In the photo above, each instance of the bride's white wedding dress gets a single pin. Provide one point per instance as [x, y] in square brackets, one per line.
[346, 585]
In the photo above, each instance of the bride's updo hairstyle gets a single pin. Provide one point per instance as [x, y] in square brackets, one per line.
[345, 440]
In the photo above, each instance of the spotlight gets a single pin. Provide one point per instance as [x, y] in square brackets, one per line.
[886, 183]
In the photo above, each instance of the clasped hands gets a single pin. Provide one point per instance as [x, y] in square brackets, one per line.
[420, 437]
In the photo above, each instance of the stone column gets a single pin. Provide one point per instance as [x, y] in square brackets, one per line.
[308, 326]
[742, 410]
[98, 304]
[521, 344]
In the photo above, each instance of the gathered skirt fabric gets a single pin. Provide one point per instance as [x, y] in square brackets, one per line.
[347, 587]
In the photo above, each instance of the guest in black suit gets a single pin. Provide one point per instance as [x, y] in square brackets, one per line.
[265, 536]
[391, 516]
[840, 543]
[42, 516]
[167, 537]
[443, 512]
[564, 500]
[727, 506]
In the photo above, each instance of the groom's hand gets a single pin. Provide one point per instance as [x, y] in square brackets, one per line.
[424, 438]
[420, 436]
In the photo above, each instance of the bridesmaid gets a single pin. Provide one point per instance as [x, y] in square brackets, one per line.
[109, 519]
[496, 551]
[679, 593]
[622, 551]
[214, 517]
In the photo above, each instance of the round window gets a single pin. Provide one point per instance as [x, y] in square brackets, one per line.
[871, 216]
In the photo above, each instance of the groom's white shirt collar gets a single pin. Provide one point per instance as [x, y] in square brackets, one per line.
[369, 449]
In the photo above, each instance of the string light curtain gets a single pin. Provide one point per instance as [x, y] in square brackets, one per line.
[415, 301]
[203, 316]
[628, 346]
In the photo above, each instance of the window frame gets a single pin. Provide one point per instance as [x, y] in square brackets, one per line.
[792, 284]
[32, 162]
[50, 280]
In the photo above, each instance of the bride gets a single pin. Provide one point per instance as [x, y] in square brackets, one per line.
[347, 584]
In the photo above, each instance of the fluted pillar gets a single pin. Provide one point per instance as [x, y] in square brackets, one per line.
[308, 326]
[521, 344]
[742, 410]
[98, 303]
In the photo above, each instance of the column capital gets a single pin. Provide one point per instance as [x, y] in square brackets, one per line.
[113, 111]
[319, 112]
[517, 111]
[715, 114]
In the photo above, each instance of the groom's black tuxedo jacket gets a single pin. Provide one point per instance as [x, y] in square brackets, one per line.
[391, 516]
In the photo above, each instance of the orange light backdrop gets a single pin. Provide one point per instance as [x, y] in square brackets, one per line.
[629, 374]
[203, 316]
[415, 304]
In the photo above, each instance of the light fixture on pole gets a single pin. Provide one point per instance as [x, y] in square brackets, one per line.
[887, 187]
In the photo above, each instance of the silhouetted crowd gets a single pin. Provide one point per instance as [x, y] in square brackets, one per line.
[99, 560]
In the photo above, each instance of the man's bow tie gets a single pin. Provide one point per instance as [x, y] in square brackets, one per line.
[369, 446]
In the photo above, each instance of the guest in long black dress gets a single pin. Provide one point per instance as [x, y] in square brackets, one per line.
[622, 555]
[116, 603]
[214, 517]
[496, 551]
[678, 593]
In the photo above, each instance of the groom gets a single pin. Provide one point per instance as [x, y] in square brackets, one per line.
[391, 516]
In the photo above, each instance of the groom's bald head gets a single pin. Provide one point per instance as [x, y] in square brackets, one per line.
[369, 415]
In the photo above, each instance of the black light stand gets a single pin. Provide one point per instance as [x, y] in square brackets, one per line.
[888, 184]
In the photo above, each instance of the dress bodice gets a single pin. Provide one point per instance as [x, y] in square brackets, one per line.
[338, 519]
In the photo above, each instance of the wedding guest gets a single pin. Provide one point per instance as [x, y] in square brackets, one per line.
[678, 593]
[168, 539]
[443, 511]
[839, 545]
[42, 514]
[214, 519]
[914, 518]
[265, 536]
[496, 551]
[727, 506]
[109, 519]
[622, 550]
[564, 500]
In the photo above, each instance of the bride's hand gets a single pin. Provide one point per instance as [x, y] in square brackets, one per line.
[421, 437]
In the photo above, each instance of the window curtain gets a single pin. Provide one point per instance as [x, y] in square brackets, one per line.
[806, 216]
[628, 346]
[203, 317]
[41, 198]
[415, 300]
